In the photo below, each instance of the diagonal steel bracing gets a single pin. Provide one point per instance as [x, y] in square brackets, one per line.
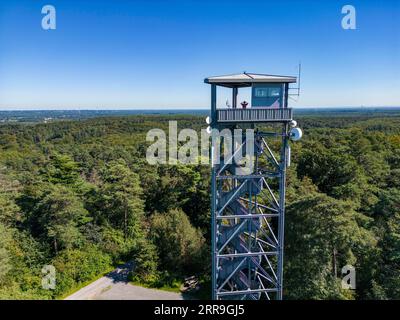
[248, 217]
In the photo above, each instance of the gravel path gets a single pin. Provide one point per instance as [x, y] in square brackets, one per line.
[115, 286]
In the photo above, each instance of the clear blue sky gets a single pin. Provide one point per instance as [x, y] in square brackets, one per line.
[155, 54]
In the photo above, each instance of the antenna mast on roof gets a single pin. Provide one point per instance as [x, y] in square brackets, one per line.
[298, 88]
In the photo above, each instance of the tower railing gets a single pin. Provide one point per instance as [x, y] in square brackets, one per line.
[255, 115]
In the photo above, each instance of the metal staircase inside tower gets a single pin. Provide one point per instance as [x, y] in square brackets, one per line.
[247, 245]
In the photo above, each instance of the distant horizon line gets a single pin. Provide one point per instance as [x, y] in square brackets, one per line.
[175, 109]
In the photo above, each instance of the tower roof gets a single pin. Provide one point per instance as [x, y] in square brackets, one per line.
[246, 79]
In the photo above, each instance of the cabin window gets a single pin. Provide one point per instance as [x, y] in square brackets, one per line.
[274, 92]
[261, 92]
[266, 95]
[267, 92]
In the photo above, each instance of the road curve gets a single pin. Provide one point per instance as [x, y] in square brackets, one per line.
[115, 286]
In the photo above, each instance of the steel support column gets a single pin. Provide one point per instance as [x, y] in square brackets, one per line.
[248, 222]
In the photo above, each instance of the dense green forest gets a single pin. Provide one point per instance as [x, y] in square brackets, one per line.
[79, 195]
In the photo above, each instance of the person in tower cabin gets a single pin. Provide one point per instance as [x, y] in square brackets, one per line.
[244, 104]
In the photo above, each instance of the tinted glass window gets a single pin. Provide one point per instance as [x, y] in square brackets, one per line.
[267, 92]
[274, 92]
[261, 92]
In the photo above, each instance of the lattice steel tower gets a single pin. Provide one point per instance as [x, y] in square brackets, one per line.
[248, 207]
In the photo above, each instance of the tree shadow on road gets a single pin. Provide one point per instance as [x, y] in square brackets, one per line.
[121, 273]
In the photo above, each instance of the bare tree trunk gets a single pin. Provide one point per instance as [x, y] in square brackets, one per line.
[125, 223]
[334, 262]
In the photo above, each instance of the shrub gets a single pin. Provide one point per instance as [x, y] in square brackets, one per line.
[181, 246]
[145, 262]
[76, 266]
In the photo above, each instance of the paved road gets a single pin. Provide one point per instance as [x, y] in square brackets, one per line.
[115, 286]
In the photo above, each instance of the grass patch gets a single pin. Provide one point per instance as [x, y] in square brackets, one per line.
[83, 284]
[106, 289]
[173, 287]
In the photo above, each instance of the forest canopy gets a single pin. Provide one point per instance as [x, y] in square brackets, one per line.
[79, 195]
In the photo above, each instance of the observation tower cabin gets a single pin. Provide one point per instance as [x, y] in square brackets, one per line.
[269, 98]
